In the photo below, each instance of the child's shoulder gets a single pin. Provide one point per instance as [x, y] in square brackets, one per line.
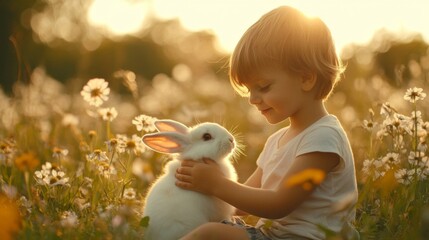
[325, 129]
[326, 123]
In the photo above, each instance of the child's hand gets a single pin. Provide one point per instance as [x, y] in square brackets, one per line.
[198, 176]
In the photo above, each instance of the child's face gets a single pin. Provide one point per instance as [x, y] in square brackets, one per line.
[277, 94]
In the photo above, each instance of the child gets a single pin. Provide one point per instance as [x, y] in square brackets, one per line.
[287, 65]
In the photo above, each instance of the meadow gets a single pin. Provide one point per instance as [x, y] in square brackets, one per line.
[73, 166]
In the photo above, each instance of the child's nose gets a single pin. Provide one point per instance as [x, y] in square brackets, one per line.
[254, 98]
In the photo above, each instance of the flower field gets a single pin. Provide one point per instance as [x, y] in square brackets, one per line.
[394, 196]
[73, 165]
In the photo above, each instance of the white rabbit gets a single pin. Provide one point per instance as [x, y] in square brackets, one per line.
[172, 211]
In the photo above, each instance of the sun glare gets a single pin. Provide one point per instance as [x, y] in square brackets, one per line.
[118, 16]
[350, 21]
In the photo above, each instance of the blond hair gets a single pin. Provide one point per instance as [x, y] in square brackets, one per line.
[286, 38]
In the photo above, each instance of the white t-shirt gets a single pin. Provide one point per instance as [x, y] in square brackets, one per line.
[325, 135]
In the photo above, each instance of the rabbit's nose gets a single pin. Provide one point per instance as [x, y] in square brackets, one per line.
[231, 141]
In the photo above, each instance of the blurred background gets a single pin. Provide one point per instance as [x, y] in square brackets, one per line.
[167, 59]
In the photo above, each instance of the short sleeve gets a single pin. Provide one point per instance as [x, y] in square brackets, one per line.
[322, 139]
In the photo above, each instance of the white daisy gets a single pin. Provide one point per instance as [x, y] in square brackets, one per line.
[144, 123]
[96, 91]
[404, 176]
[374, 168]
[97, 155]
[369, 125]
[414, 94]
[108, 114]
[391, 159]
[51, 176]
[105, 169]
[134, 144]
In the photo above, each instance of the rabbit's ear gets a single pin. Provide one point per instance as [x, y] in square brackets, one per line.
[166, 142]
[170, 126]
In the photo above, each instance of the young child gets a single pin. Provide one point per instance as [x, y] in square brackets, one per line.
[287, 65]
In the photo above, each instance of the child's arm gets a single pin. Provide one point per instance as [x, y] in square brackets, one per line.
[208, 179]
[253, 181]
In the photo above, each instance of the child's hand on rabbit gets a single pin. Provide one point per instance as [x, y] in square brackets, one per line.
[199, 176]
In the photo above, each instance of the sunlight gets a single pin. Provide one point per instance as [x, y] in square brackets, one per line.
[350, 21]
[119, 17]
[226, 19]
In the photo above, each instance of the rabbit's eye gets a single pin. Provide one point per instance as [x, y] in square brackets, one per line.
[207, 136]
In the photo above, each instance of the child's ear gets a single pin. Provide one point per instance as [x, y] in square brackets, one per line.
[308, 81]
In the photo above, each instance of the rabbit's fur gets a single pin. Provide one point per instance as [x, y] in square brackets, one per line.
[172, 211]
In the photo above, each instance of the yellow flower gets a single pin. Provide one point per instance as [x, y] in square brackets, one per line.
[26, 162]
[10, 219]
[307, 179]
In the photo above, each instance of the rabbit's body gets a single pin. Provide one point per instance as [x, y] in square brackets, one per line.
[172, 211]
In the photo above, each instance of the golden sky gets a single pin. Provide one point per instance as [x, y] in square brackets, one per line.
[350, 21]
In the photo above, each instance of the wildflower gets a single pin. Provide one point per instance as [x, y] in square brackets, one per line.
[386, 109]
[56, 178]
[59, 152]
[106, 169]
[51, 176]
[373, 168]
[111, 144]
[69, 219]
[416, 116]
[307, 178]
[414, 94]
[369, 125]
[397, 123]
[108, 114]
[92, 134]
[417, 159]
[144, 123]
[24, 203]
[391, 158]
[10, 219]
[404, 176]
[96, 91]
[97, 155]
[26, 162]
[134, 144]
[129, 194]
[70, 120]
[101, 163]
